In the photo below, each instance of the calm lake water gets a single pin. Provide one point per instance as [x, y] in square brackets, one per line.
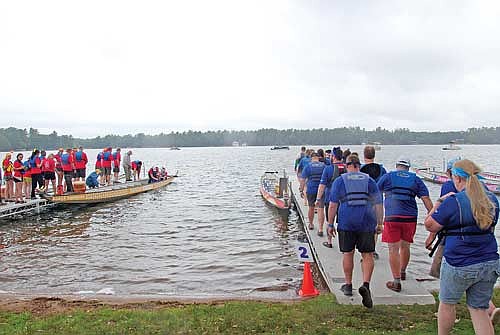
[208, 234]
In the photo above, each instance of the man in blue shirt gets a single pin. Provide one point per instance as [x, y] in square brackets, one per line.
[360, 213]
[400, 223]
[312, 174]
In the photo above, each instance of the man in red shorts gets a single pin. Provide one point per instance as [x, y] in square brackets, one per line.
[400, 188]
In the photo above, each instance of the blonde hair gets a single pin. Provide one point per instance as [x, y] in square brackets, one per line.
[482, 207]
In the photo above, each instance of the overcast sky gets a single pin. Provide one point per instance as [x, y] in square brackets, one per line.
[92, 68]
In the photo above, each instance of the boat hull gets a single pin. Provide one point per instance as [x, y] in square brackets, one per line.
[269, 182]
[110, 194]
[439, 177]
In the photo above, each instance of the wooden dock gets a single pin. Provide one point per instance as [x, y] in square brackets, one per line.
[329, 261]
[11, 209]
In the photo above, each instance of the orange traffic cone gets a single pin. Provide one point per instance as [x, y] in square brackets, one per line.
[307, 289]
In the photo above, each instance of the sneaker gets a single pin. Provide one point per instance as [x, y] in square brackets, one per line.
[347, 289]
[366, 295]
[328, 245]
[495, 316]
[320, 234]
[311, 227]
[396, 287]
[403, 275]
[375, 255]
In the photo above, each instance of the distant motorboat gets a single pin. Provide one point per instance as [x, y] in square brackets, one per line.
[236, 144]
[282, 147]
[452, 146]
[175, 148]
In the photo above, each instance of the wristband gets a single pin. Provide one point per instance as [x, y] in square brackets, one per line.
[330, 225]
[439, 200]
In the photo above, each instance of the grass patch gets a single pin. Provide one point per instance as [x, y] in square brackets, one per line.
[321, 315]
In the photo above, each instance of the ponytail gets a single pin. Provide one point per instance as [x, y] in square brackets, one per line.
[483, 208]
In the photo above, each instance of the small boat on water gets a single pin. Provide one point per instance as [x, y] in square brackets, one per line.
[281, 147]
[452, 146]
[108, 193]
[175, 148]
[440, 177]
[275, 190]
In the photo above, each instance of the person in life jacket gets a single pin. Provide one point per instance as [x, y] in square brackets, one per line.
[106, 160]
[27, 179]
[301, 155]
[92, 180]
[8, 169]
[331, 172]
[400, 188]
[49, 174]
[304, 161]
[117, 157]
[18, 177]
[312, 175]
[375, 171]
[58, 169]
[81, 160]
[470, 262]
[36, 172]
[68, 166]
[153, 175]
[136, 169]
[360, 211]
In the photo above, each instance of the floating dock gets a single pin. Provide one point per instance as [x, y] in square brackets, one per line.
[11, 209]
[329, 261]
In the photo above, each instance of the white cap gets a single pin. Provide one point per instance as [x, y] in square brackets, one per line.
[403, 161]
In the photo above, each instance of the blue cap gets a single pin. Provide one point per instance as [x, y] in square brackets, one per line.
[450, 163]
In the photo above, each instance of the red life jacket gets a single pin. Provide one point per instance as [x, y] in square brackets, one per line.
[67, 162]
[48, 165]
[18, 173]
[34, 168]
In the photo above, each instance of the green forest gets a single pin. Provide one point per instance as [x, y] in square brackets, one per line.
[26, 139]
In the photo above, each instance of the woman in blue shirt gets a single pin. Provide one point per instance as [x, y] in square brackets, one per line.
[470, 263]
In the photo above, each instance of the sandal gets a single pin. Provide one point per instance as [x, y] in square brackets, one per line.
[328, 245]
[320, 234]
[393, 286]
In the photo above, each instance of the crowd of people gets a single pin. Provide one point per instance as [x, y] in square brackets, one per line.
[359, 201]
[26, 177]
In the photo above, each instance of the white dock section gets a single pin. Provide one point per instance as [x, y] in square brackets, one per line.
[329, 261]
[11, 209]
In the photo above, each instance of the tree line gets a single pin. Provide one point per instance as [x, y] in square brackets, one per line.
[22, 139]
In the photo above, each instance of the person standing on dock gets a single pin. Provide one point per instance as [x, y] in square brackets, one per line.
[312, 174]
[127, 165]
[18, 177]
[68, 166]
[36, 172]
[331, 172]
[49, 172]
[58, 169]
[81, 161]
[106, 160]
[360, 212]
[301, 155]
[117, 157]
[8, 168]
[375, 171]
[400, 223]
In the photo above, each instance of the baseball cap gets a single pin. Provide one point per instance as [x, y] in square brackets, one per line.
[403, 161]
[450, 163]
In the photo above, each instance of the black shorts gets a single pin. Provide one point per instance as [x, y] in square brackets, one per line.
[107, 171]
[362, 240]
[80, 173]
[18, 180]
[47, 175]
[116, 169]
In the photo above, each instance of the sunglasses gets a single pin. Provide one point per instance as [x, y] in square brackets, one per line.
[351, 163]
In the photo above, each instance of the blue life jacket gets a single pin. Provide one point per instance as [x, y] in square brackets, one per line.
[107, 156]
[115, 155]
[316, 172]
[65, 159]
[99, 156]
[27, 165]
[356, 186]
[32, 162]
[78, 156]
[467, 229]
[401, 185]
